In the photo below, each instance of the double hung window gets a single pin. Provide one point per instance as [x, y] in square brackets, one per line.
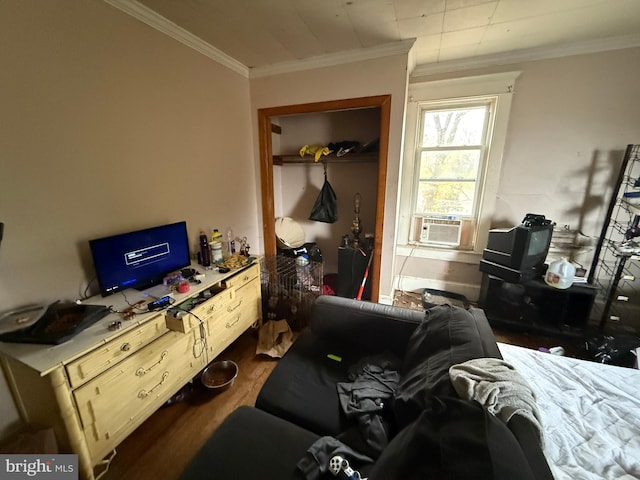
[453, 152]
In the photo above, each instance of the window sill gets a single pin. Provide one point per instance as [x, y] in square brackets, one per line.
[421, 251]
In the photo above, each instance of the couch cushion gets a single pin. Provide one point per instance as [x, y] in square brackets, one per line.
[251, 445]
[302, 387]
[447, 336]
[453, 439]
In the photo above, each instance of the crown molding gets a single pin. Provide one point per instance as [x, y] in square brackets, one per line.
[530, 54]
[160, 23]
[333, 59]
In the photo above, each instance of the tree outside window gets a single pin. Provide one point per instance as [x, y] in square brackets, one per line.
[450, 153]
[454, 142]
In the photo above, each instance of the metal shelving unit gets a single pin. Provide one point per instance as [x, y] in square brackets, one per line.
[615, 270]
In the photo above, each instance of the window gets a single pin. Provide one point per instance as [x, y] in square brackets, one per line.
[452, 156]
[450, 151]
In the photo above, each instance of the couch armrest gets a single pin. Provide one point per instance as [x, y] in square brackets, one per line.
[371, 326]
[487, 337]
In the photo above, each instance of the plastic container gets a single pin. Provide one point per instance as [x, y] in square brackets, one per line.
[560, 274]
[216, 246]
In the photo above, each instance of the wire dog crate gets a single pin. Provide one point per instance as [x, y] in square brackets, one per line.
[289, 288]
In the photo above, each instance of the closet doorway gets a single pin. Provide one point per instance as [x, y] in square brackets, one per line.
[265, 130]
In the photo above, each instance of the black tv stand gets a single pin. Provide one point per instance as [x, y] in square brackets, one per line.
[511, 274]
[535, 307]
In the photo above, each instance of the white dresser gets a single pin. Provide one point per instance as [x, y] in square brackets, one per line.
[98, 387]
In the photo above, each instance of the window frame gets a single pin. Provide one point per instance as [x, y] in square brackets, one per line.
[486, 102]
[496, 88]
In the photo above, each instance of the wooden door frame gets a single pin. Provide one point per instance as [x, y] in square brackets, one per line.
[266, 168]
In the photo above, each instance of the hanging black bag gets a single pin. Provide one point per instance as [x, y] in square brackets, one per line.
[325, 209]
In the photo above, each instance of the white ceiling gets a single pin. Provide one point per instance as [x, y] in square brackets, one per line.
[265, 33]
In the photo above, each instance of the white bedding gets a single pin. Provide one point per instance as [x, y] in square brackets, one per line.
[590, 414]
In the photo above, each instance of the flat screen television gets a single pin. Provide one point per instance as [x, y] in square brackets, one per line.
[140, 259]
[522, 247]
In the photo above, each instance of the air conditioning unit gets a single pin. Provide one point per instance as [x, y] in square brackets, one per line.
[437, 230]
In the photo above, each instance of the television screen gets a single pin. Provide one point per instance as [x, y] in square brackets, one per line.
[522, 247]
[539, 242]
[140, 259]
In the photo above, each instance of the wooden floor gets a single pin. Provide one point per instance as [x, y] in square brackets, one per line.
[162, 446]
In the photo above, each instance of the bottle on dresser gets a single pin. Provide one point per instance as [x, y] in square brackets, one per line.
[216, 245]
[205, 257]
[231, 243]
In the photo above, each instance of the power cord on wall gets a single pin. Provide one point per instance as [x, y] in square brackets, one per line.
[85, 294]
[404, 263]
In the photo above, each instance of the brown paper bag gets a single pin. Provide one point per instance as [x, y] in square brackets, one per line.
[274, 338]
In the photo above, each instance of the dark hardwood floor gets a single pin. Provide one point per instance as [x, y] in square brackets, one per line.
[162, 446]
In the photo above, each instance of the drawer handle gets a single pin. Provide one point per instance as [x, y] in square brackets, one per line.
[212, 308]
[144, 393]
[229, 325]
[143, 371]
[231, 309]
[125, 347]
[246, 277]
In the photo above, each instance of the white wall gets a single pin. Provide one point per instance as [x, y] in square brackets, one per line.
[108, 126]
[571, 120]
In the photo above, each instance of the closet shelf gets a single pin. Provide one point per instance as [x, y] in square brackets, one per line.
[295, 158]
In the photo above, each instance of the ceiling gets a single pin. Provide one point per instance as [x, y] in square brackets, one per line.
[261, 34]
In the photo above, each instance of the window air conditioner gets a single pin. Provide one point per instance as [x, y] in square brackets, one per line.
[438, 230]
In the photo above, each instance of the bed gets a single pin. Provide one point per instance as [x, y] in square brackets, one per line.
[590, 414]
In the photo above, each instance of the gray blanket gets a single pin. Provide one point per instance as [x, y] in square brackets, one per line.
[497, 386]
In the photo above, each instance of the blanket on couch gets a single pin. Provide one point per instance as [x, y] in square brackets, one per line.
[497, 386]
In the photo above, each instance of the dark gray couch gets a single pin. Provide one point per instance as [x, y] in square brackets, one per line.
[431, 432]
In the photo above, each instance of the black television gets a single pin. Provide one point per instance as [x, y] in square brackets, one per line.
[518, 252]
[140, 259]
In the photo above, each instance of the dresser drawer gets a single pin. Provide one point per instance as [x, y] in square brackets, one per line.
[244, 311]
[243, 277]
[214, 306]
[114, 351]
[116, 402]
[184, 321]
